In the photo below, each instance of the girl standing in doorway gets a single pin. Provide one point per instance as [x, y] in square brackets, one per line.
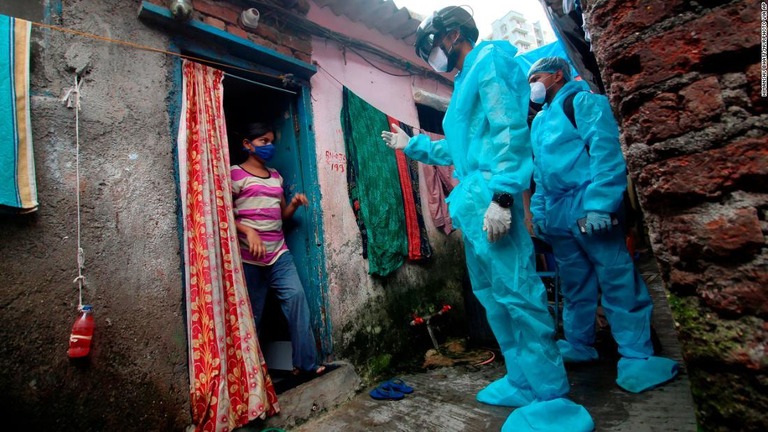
[260, 207]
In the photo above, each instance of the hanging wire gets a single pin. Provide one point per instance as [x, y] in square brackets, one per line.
[376, 67]
[155, 50]
[319, 66]
[315, 29]
[72, 98]
[259, 84]
[302, 24]
[330, 35]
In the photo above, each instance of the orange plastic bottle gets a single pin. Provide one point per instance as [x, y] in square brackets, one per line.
[82, 333]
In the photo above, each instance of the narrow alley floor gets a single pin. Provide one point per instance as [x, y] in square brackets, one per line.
[444, 399]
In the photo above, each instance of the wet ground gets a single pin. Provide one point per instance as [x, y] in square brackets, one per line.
[444, 399]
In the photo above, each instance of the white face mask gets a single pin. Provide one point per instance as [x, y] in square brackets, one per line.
[438, 57]
[438, 60]
[538, 92]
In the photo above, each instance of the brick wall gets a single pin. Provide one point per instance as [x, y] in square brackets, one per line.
[684, 80]
[270, 33]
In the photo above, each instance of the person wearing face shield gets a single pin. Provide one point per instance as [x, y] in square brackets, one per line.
[487, 141]
[580, 177]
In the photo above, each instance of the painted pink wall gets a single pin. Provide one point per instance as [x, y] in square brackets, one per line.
[363, 79]
[350, 286]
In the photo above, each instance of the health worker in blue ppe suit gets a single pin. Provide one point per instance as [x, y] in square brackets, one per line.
[488, 142]
[580, 177]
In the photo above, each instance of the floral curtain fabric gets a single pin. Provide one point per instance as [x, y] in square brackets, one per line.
[228, 376]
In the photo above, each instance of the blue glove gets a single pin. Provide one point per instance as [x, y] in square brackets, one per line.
[597, 222]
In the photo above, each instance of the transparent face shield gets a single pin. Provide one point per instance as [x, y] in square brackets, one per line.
[435, 27]
[425, 43]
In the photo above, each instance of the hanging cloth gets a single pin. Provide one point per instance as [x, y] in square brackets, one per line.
[18, 190]
[416, 231]
[374, 186]
[228, 374]
[439, 182]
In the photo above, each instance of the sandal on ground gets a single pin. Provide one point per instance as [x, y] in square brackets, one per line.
[398, 385]
[384, 393]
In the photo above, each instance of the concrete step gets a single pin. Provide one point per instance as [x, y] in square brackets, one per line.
[311, 399]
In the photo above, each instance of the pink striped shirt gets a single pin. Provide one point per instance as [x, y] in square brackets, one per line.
[256, 202]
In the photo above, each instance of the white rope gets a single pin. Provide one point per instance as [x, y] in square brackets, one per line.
[72, 98]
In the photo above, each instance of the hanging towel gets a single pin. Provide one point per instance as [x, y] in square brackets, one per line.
[416, 231]
[383, 189]
[18, 191]
[375, 186]
[440, 182]
[425, 250]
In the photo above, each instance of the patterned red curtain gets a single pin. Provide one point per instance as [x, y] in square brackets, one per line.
[228, 375]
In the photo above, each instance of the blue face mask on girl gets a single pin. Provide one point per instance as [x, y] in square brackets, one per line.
[265, 152]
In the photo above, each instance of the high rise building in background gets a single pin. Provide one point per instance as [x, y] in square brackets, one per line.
[525, 35]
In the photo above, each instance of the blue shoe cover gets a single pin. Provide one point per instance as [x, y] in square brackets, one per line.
[576, 353]
[557, 415]
[502, 393]
[638, 375]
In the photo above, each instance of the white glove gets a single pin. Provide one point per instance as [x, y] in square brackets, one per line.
[497, 221]
[395, 140]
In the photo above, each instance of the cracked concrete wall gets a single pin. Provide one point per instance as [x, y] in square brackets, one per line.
[137, 377]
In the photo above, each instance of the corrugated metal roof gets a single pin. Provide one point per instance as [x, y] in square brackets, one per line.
[382, 15]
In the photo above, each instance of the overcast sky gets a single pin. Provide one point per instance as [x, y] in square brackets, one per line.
[486, 11]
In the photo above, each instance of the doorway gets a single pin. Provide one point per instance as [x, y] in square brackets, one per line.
[246, 102]
[260, 97]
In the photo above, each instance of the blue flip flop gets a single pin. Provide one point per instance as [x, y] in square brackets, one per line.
[385, 393]
[398, 385]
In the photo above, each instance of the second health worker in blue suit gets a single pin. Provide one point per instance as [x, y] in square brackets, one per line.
[580, 177]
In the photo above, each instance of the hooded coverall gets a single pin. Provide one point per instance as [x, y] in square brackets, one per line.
[487, 141]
